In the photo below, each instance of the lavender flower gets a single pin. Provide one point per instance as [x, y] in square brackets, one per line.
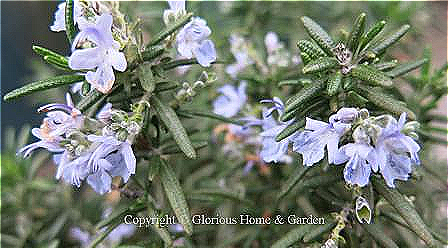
[392, 148]
[277, 54]
[59, 16]
[238, 48]
[311, 143]
[110, 158]
[176, 10]
[103, 57]
[273, 151]
[362, 159]
[192, 42]
[231, 100]
[60, 119]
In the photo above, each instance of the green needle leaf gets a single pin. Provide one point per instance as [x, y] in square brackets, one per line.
[169, 30]
[311, 49]
[289, 130]
[152, 52]
[357, 31]
[390, 40]
[372, 33]
[379, 98]
[209, 115]
[406, 210]
[334, 83]
[220, 194]
[320, 64]
[292, 181]
[146, 77]
[319, 230]
[89, 100]
[319, 35]
[371, 75]
[405, 68]
[46, 52]
[175, 196]
[170, 119]
[70, 29]
[302, 96]
[378, 234]
[43, 85]
[163, 232]
[292, 236]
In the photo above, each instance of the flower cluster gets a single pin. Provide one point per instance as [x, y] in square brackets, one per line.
[377, 144]
[88, 149]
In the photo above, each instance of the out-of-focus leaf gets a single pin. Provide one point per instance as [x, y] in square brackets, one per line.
[169, 30]
[292, 181]
[378, 234]
[406, 210]
[319, 230]
[170, 119]
[175, 196]
[292, 236]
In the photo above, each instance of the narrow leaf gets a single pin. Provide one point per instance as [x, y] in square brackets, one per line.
[371, 75]
[292, 236]
[154, 168]
[286, 116]
[311, 49]
[161, 231]
[356, 98]
[405, 68]
[372, 33]
[289, 130]
[305, 58]
[390, 40]
[70, 29]
[146, 78]
[89, 100]
[210, 115]
[104, 234]
[46, 52]
[378, 234]
[380, 99]
[175, 196]
[319, 35]
[357, 31]
[221, 194]
[170, 119]
[386, 65]
[406, 210]
[171, 29]
[197, 145]
[347, 83]
[320, 64]
[60, 63]
[318, 230]
[303, 95]
[292, 181]
[152, 52]
[334, 83]
[43, 85]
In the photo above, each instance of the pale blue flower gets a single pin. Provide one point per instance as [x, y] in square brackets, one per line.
[273, 151]
[319, 135]
[72, 170]
[60, 119]
[396, 152]
[176, 10]
[362, 159]
[110, 158]
[192, 42]
[239, 50]
[59, 16]
[104, 56]
[231, 101]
